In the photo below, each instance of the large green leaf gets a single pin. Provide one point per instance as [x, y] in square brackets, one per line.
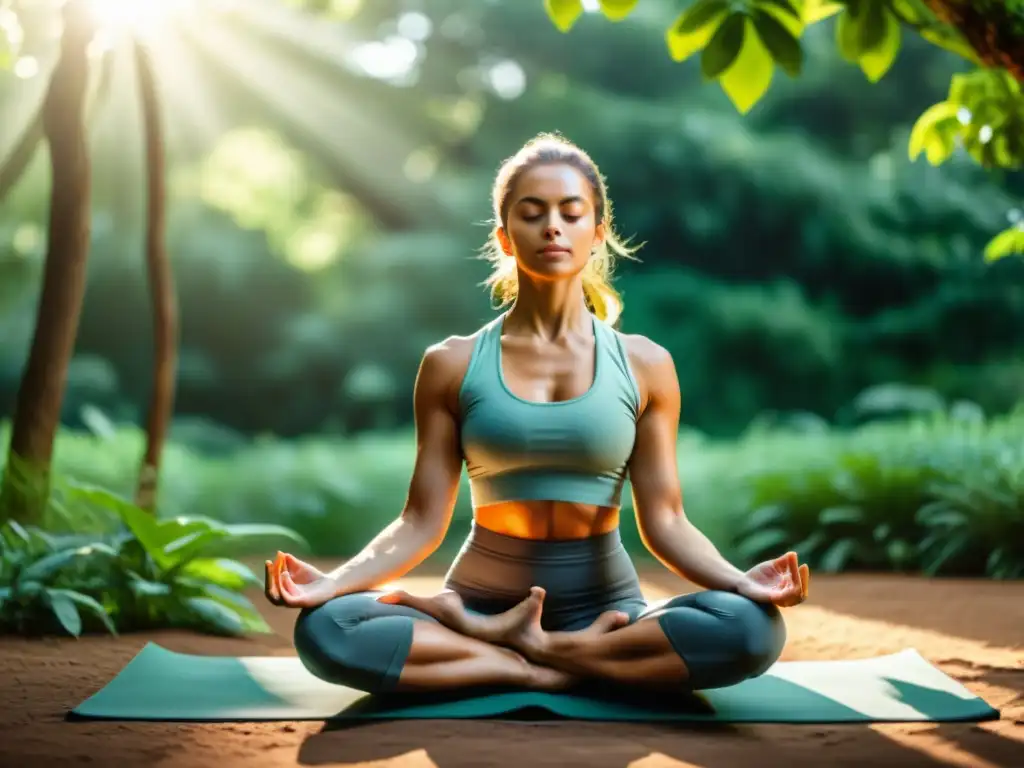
[89, 603]
[819, 10]
[617, 10]
[782, 6]
[694, 28]
[194, 543]
[878, 60]
[66, 611]
[748, 79]
[762, 542]
[871, 27]
[699, 15]
[931, 127]
[848, 37]
[841, 515]
[838, 555]
[1007, 243]
[46, 567]
[215, 616]
[223, 572]
[141, 523]
[725, 46]
[252, 620]
[770, 515]
[564, 13]
[781, 44]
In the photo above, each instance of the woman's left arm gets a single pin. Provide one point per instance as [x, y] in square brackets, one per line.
[654, 474]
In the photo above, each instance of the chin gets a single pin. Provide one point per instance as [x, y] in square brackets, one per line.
[564, 269]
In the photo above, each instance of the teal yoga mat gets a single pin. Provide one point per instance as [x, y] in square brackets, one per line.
[160, 684]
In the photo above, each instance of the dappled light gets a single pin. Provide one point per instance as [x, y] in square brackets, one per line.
[246, 332]
[267, 186]
[124, 16]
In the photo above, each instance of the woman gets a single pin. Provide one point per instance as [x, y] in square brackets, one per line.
[550, 408]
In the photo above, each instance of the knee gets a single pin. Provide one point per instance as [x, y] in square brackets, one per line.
[758, 628]
[724, 638]
[342, 644]
[323, 642]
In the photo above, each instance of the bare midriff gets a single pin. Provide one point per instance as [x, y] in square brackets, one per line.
[547, 519]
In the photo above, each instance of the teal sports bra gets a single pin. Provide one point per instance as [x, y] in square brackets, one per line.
[573, 450]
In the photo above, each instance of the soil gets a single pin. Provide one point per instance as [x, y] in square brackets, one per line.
[971, 629]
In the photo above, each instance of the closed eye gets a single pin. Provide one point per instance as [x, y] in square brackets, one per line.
[569, 218]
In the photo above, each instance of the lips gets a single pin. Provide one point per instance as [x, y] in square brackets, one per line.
[555, 250]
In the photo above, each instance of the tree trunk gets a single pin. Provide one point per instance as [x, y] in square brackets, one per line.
[25, 149]
[161, 286]
[43, 382]
[991, 28]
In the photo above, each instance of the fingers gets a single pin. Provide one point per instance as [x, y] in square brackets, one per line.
[270, 584]
[794, 579]
[793, 565]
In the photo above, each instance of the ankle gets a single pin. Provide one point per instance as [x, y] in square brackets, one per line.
[521, 672]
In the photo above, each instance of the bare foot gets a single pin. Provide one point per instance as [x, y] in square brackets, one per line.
[447, 608]
[534, 643]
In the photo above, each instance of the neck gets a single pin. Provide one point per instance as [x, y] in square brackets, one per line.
[551, 311]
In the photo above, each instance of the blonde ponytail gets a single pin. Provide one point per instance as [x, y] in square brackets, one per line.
[601, 297]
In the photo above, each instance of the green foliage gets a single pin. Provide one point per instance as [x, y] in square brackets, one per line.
[921, 485]
[741, 42]
[940, 494]
[142, 573]
[564, 13]
[1007, 243]
[984, 113]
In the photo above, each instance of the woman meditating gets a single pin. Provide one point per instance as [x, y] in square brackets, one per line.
[551, 409]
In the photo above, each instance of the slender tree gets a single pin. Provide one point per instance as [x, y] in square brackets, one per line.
[25, 486]
[161, 283]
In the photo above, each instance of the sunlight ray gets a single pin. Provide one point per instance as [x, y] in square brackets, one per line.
[361, 144]
[193, 116]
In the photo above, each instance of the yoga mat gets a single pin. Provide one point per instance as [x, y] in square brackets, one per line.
[160, 684]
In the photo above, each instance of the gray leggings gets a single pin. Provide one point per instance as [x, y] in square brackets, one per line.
[723, 638]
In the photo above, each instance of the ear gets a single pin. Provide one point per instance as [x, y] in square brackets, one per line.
[502, 236]
[599, 233]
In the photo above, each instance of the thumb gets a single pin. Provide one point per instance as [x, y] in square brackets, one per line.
[394, 597]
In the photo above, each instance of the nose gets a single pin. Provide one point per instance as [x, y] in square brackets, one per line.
[552, 229]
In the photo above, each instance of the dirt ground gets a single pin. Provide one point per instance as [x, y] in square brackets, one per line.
[973, 630]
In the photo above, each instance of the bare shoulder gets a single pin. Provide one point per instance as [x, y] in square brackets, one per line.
[445, 363]
[647, 357]
[652, 365]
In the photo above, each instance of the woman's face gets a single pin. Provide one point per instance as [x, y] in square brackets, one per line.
[552, 225]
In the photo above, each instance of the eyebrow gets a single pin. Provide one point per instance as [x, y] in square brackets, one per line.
[563, 201]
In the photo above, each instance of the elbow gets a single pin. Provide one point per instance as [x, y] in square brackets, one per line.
[428, 529]
[661, 533]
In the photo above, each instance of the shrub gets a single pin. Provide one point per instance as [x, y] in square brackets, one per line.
[145, 573]
[941, 494]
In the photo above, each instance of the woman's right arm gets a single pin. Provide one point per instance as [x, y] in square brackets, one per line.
[423, 522]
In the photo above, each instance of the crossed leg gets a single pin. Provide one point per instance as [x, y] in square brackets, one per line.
[700, 640]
